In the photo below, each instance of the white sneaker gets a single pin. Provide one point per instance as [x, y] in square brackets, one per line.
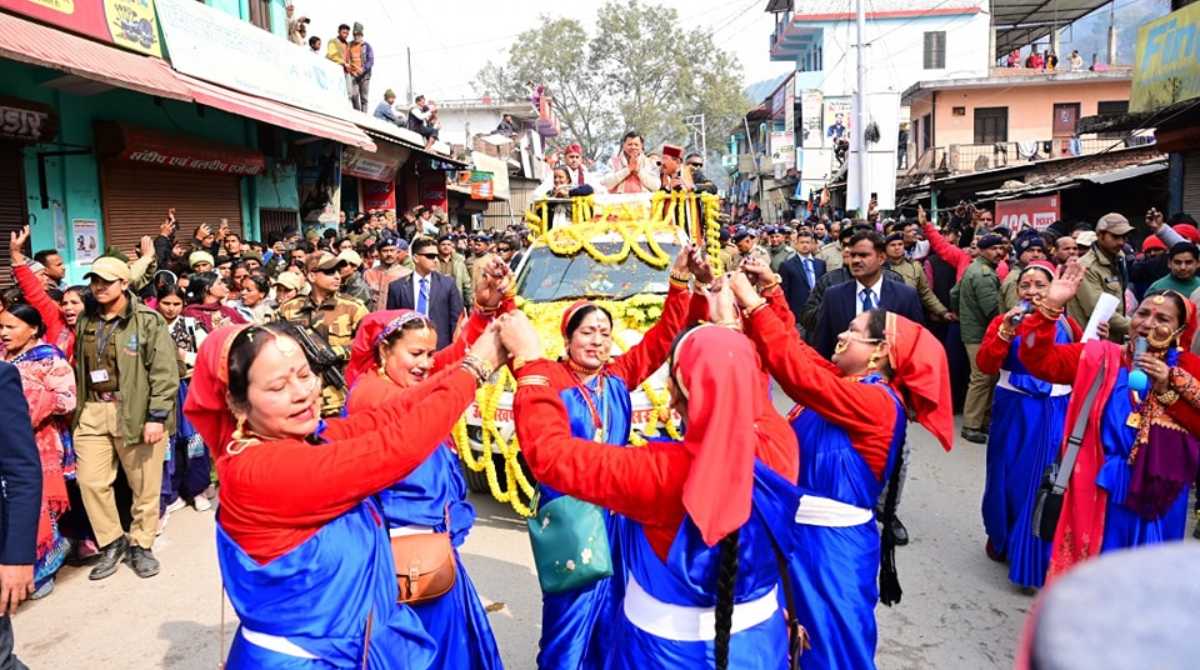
[176, 505]
[201, 503]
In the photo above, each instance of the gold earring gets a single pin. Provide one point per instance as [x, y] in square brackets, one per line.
[873, 361]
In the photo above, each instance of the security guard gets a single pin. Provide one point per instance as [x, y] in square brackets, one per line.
[332, 316]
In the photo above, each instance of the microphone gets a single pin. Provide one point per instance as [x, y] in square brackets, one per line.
[1026, 310]
[1138, 381]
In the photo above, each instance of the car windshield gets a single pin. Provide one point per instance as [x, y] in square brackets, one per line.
[548, 276]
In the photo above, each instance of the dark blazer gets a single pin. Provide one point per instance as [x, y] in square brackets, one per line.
[445, 303]
[840, 304]
[795, 282]
[21, 470]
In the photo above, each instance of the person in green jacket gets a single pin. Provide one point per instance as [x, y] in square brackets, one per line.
[978, 298]
[127, 380]
[1182, 260]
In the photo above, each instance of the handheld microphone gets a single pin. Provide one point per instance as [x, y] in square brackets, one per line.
[1138, 381]
[1026, 310]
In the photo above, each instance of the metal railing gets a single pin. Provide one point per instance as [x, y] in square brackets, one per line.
[966, 158]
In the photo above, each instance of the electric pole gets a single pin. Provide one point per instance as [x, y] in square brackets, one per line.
[860, 115]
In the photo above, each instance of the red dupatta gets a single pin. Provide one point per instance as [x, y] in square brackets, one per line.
[1080, 532]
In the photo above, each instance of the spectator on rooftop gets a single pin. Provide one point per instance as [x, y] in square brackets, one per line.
[507, 126]
[314, 44]
[1076, 61]
[386, 109]
[362, 59]
[421, 118]
[297, 26]
[338, 51]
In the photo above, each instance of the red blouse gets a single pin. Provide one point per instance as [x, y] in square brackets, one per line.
[993, 350]
[277, 494]
[1058, 363]
[866, 411]
[644, 483]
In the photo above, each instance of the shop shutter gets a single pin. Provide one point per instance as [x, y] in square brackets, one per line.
[1191, 182]
[278, 222]
[136, 199]
[12, 205]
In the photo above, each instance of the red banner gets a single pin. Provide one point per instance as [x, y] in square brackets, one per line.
[1034, 213]
[378, 194]
[433, 190]
[117, 141]
[130, 24]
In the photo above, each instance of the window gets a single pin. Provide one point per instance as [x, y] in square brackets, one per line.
[991, 125]
[935, 50]
[260, 14]
[927, 128]
[1112, 108]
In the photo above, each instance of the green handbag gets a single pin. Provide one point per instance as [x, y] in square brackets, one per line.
[570, 544]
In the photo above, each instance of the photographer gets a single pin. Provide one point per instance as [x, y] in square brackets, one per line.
[297, 27]
[331, 318]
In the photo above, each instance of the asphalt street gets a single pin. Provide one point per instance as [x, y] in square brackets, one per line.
[958, 611]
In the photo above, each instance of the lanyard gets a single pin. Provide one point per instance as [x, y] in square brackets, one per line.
[102, 338]
[597, 414]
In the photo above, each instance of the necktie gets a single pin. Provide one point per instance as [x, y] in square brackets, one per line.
[423, 297]
[868, 299]
[808, 272]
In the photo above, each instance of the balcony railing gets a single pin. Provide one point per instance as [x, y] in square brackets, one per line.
[965, 158]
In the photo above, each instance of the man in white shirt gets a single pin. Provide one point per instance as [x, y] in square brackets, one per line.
[573, 164]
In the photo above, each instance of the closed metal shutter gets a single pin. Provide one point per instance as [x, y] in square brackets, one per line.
[12, 205]
[136, 199]
[1191, 182]
[279, 222]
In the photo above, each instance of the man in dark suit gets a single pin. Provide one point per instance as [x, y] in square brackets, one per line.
[429, 292]
[20, 505]
[870, 289]
[799, 274]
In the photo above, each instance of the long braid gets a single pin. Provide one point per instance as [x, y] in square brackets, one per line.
[726, 577]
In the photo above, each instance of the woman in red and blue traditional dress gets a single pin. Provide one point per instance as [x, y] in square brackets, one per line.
[850, 420]
[1139, 454]
[596, 393]
[392, 361]
[695, 521]
[1027, 427]
[302, 544]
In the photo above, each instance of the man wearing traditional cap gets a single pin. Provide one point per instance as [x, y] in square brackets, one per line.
[332, 317]
[392, 252]
[1106, 272]
[978, 302]
[200, 261]
[573, 163]
[127, 380]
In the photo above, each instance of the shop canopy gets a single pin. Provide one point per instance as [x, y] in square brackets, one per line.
[28, 42]
[93, 66]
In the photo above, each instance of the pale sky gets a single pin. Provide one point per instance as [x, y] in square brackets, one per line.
[452, 39]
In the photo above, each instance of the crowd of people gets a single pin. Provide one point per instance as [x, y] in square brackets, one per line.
[277, 377]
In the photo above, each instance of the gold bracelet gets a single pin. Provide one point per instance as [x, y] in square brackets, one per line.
[1167, 398]
[1006, 333]
[750, 312]
[683, 277]
[677, 282]
[767, 287]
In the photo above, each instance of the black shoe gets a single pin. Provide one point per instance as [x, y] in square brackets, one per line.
[976, 436]
[110, 558]
[899, 532]
[142, 561]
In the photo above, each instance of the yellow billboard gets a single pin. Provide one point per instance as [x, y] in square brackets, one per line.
[1166, 67]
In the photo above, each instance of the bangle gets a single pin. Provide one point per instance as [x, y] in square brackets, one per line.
[1006, 333]
[1167, 398]
[767, 287]
[683, 277]
[1051, 313]
[677, 282]
[481, 370]
[759, 305]
[733, 324]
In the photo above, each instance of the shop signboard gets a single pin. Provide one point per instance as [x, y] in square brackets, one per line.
[26, 122]
[812, 132]
[378, 195]
[117, 141]
[1036, 213]
[432, 190]
[129, 24]
[379, 165]
[1166, 68]
[210, 45]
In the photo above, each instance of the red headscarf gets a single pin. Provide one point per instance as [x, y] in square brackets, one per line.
[1045, 266]
[206, 406]
[1188, 231]
[1189, 321]
[920, 371]
[371, 330]
[566, 317]
[716, 369]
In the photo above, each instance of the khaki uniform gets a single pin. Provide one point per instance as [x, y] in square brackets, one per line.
[832, 255]
[1102, 275]
[456, 269]
[335, 320]
[127, 375]
[914, 275]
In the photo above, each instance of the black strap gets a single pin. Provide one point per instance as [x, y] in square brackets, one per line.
[1066, 464]
[795, 639]
[889, 579]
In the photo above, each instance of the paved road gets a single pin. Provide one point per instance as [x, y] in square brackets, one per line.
[959, 610]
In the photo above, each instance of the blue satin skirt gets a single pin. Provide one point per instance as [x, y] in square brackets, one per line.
[1123, 528]
[458, 624]
[574, 625]
[836, 572]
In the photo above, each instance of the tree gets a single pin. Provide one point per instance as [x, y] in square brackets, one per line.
[641, 71]
[555, 54]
